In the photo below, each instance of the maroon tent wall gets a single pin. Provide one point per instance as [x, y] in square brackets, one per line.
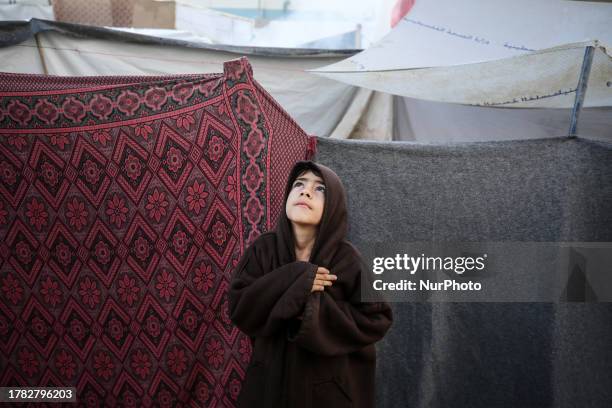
[125, 202]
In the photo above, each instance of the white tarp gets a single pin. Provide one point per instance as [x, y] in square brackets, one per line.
[446, 32]
[484, 53]
[321, 106]
[438, 122]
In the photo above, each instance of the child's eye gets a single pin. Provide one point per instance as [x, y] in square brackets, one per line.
[297, 183]
[321, 188]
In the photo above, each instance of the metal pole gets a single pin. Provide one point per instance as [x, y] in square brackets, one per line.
[581, 88]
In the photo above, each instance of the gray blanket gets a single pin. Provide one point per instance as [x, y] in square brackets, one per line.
[485, 354]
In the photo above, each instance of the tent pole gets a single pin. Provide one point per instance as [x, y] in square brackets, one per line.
[581, 88]
[40, 54]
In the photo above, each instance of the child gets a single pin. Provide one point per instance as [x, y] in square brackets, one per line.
[296, 293]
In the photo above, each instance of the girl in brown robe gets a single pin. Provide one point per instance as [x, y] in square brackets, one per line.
[296, 294]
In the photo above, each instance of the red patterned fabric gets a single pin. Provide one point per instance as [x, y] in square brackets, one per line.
[125, 203]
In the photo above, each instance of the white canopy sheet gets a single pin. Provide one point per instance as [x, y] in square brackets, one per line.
[321, 106]
[516, 53]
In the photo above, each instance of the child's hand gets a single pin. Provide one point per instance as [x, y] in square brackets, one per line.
[322, 279]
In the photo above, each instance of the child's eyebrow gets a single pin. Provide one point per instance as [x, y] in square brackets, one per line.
[305, 179]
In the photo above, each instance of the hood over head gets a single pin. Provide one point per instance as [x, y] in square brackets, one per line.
[333, 226]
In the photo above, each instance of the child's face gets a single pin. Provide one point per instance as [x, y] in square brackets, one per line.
[306, 199]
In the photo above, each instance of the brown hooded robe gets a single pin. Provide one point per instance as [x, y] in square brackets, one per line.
[327, 358]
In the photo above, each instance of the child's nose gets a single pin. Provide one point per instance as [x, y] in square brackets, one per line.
[307, 190]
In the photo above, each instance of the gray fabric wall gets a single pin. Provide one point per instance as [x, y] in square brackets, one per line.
[485, 354]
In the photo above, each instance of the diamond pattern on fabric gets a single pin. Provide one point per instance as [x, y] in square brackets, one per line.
[125, 204]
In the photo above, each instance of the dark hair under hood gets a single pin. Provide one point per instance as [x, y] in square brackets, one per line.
[333, 226]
